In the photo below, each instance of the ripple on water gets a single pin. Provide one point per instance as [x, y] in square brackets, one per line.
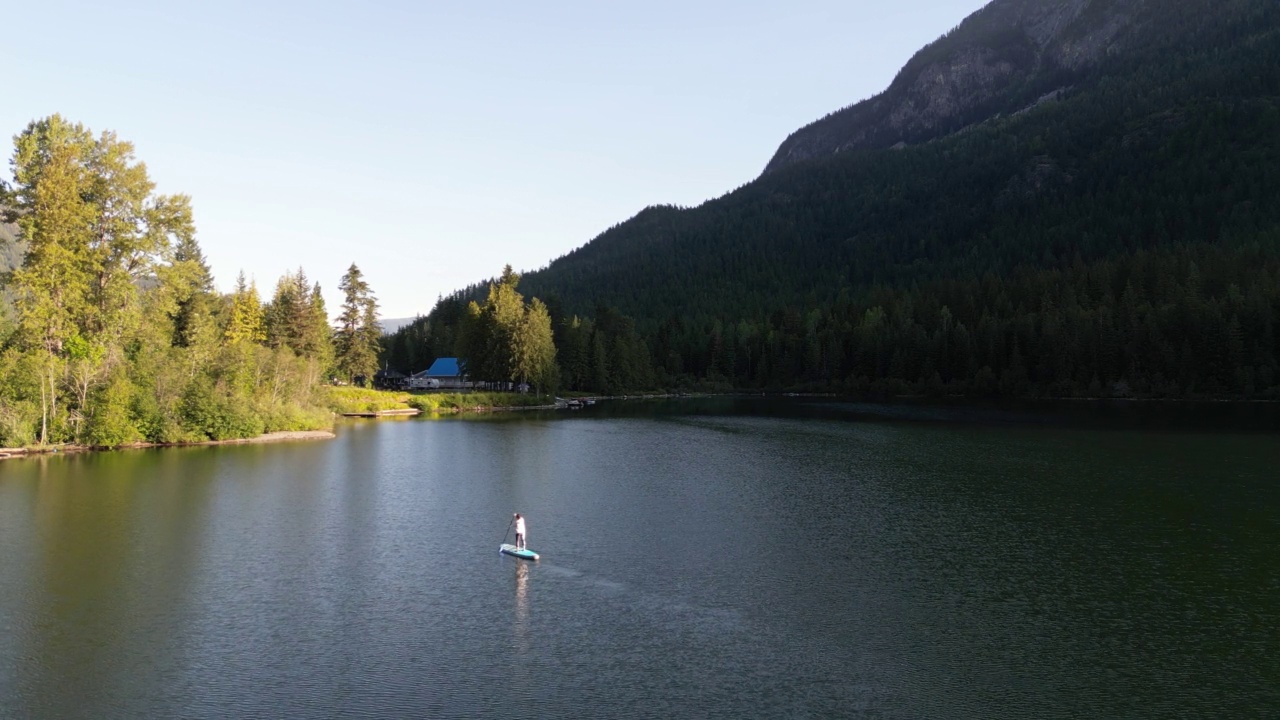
[718, 566]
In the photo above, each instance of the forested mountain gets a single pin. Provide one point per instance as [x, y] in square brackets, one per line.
[1122, 238]
[390, 325]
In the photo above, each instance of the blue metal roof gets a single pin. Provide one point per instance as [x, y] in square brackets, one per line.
[444, 367]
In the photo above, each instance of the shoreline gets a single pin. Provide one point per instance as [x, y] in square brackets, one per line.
[303, 435]
[271, 437]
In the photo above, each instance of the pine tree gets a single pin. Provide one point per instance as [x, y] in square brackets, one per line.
[356, 339]
[191, 284]
[245, 323]
[285, 316]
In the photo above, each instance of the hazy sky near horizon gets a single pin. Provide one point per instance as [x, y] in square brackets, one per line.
[432, 143]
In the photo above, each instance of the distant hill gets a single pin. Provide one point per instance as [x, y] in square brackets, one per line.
[393, 324]
[1066, 197]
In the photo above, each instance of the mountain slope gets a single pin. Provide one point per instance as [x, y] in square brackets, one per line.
[1124, 236]
[1088, 175]
[1006, 57]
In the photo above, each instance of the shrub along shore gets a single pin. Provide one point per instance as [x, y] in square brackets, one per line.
[361, 401]
[271, 437]
[349, 401]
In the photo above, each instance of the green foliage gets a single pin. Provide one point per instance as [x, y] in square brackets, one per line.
[54, 285]
[363, 400]
[282, 417]
[357, 340]
[296, 319]
[117, 335]
[414, 347]
[159, 419]
[218, 418]
[503, 342]
[110, 421]
[12, 248]
[246, 323]
[574, 353]
[453, 402]
[19, 415]
[533, 350]
[18, 423]
[188, 292]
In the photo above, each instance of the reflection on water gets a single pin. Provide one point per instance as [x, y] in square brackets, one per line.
[522, 605]
[814, 560]
[522, 650]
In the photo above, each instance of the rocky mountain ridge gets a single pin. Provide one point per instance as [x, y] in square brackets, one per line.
[1010, 55]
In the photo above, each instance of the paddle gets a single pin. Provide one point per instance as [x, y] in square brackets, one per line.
[508, 532]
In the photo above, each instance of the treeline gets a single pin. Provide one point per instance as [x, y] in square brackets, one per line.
[506, 342]
[1186, 321]
[1178, 322]
[116, 334]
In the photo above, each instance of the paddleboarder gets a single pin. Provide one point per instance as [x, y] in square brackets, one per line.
[519, 532]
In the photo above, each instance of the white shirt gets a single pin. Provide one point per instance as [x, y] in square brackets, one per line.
[520, 526]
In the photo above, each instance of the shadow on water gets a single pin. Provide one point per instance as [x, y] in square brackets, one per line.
[1152, 415]
[706, 557]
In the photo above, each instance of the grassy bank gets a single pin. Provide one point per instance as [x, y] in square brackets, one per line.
[351, 400]
[455, 402]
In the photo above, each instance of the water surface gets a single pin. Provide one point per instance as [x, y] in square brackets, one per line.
[721, 559]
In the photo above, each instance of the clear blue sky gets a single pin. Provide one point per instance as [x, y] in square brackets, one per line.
[430, 143]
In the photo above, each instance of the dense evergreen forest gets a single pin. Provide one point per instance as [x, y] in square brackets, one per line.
[112, 332]
[1119, 239]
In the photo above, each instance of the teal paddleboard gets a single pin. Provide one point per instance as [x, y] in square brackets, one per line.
[513, 551]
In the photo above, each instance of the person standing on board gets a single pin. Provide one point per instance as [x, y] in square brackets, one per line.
[519, 532]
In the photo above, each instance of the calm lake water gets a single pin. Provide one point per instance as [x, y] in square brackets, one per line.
[723, 558]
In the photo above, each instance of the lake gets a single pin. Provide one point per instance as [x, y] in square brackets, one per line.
[722, 558]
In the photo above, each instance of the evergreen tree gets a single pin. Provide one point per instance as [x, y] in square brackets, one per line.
[191, 284]
[317, 339]
[246, 322]
[285, 316]
[356, 339]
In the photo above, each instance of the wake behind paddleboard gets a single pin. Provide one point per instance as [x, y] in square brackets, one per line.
[513, 551]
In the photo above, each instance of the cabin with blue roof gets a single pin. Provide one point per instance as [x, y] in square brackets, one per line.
[444, 373]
